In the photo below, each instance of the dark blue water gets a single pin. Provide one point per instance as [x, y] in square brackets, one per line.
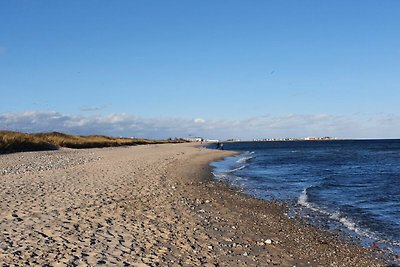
[351, 186]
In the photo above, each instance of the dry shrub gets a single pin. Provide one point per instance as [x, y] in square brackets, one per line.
[16, 142]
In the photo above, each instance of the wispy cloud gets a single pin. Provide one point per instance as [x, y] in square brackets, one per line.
[291, 125]
[93, 108]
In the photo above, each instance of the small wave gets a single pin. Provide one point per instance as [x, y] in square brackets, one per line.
[244, 159]
[238, 169]
[227, 176]
[337, 216]
[219, 175]
[303, 200]
[352, 226]
[348, 223]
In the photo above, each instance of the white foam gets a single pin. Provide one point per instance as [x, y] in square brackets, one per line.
[303, 198]
[244, 159]
[349, 224]
[219, 175]
[238, 169]
[337, 216]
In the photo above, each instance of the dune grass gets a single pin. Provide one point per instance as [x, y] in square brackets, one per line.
[19, 142]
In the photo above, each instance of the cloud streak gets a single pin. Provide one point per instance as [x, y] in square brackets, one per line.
[92, 108]
[291, 125]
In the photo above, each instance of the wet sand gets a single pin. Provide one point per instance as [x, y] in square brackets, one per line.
[147, 206]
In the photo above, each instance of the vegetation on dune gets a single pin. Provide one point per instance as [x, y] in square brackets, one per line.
[14, 141]
[18, 142]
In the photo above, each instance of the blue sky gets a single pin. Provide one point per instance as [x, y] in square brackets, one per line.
[221, 69]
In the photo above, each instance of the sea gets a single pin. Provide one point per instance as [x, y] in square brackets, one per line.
[351, 187]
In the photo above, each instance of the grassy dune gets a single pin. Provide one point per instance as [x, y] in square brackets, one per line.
[18, 142]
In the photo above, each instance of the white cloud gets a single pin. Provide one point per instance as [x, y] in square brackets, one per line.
[199, 120]
[292, 125]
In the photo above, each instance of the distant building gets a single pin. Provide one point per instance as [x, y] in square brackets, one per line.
[194, 139]
[212, 140]
[295, 139]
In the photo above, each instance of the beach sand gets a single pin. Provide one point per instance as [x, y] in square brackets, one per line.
[147, 206]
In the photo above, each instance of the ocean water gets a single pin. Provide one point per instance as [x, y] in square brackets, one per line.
[349, 186]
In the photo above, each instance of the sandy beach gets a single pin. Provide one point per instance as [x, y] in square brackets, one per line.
[154, 205]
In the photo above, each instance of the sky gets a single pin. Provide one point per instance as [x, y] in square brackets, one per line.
[217, 69]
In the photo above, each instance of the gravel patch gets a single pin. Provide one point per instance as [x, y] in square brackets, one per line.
[26, 162]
